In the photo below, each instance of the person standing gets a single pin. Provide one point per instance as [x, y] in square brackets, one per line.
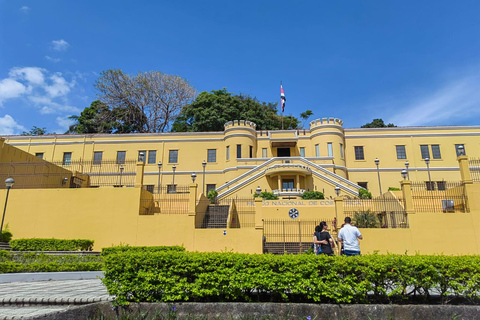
[349, 236]
[325, 240]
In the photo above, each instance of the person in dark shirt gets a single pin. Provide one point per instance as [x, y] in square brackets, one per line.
[324, 239]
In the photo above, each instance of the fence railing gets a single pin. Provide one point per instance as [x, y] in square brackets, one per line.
[290, 236]
[376, 213]
[438, 196]
[169, 201]
[216, 213]
[474, 165]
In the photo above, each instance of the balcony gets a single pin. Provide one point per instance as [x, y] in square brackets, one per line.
[288, 168]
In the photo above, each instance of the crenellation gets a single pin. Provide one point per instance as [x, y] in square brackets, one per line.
[326, 121]
[240, 123]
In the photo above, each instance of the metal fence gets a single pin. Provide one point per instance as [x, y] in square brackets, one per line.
[439, 196]
[169, 201]
[291, 236]
[245, 211]
[37, 174]
[376, 213]
[474, 165]
[215, 214]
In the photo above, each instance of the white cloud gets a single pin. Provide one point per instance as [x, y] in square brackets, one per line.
[60, 45]
[64, 123]
[9, 126]
[47, 92]
[451, 103]
[10, 88]
[52, 59]
[25, 9]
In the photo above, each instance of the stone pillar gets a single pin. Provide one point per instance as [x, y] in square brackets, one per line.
[407, 196]
[192, 200]
[464, 169]
[258, 214]
[467, 182]
[298, 181]
[339, 212]
[139, 174]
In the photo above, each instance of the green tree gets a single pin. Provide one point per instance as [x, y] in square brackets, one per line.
[377, 123]
[305, 115]
[211, 110]
[35, 131]
[364, 194]
[95, 119]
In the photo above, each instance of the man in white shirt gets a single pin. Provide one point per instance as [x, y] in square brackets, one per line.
[349, 236]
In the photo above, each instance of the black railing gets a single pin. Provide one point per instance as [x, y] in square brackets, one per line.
[474, 165]
[439, 196]
[168, 200]
[376, 213]
[37, 174]
[290, 236]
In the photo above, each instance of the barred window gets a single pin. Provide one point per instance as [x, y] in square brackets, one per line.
[436, 151]
[424, 151]
[173, 156]
[401, 154]
[152, 156]
[121, 157]
[67, 158]
[359, 153]
[97, 157]
[211, 155]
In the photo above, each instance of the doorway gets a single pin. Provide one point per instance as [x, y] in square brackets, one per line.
[283, 152]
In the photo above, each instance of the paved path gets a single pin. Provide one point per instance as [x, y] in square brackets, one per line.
[24, 300]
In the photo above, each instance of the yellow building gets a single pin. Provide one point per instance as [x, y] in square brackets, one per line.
[75, 186]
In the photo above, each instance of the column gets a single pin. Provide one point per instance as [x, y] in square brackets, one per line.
[139, 174]
[407, 196]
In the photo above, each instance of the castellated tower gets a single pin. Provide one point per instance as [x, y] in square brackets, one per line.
[327, 136]
[240, 142]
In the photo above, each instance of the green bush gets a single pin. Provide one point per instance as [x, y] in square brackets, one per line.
[366, 219]
[123, 249]
[37, 244]
[312, 195]
[209, 277]
[266, 195]
[212, 195]
[364, 194]
[394, 189]
[6, 235]
[12, 262]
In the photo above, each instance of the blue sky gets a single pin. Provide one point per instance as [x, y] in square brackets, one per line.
[412, 63]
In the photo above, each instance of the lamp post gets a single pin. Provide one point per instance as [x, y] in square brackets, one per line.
[174, 167]
[404, 174]
[406, 167]
[427, 162]
[377, 162]
[258, 191]
[142, 157]
[121, 173]
[159, 173]
[337, 191]
[204, 164]
[9, 183]
[194, 176]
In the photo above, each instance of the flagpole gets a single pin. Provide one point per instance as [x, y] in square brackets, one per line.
[281, 103]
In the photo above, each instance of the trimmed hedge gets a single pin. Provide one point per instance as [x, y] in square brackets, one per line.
[37, 244]
[124, 249]
[175, 276]
[32, 262]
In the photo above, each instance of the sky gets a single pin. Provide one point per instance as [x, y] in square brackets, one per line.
[411, 63]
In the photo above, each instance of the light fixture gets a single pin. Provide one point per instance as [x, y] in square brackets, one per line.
[204, 164]
[377, 162]
[9, 184]
[404, 174]
[258, 190]
[406, 167]
[461, 150]
[194, 176]
[337, 191]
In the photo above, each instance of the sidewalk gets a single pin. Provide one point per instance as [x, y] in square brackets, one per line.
[31, 299]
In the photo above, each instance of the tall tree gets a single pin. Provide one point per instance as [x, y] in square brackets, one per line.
[95, 119]
[211, 110]
[35, 131]
[377, 123]
[146, 102]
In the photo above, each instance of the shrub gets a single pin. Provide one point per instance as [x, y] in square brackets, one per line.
[394, 189]
[206, 277]
[312, 195]
[365, 219]
[6, 235]
[266, 195]
[364, 194]
[123, 249]
[37, 244]
[212, 195]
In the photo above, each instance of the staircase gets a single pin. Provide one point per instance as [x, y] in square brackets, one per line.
[215, 217]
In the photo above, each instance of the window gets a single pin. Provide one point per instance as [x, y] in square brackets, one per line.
[152, 156]
[97, 157]
[239, 151]
[210, 187]
[430, 185]
[436, 151]
[171, 188]
[302, 152]
[264, 152]
[251, 152]
[363, 185]
[341, 150]
[287, 184]
[441, 186]
[150, 188]
[173, 156]
[359, 153]
[317, 150]
[212, 155]
[67, 158]
[228, 152]
[401, 154]
[39, 155]
[121, 157]
[424, 151]
[330, 149]
[141, 155]
[460, 151]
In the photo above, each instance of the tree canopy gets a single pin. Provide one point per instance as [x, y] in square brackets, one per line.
[35, 131]
[211, 110]
[145, 102]
[377, 123]
[97, 118]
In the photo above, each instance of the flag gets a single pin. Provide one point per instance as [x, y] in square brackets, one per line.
[282, 98]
